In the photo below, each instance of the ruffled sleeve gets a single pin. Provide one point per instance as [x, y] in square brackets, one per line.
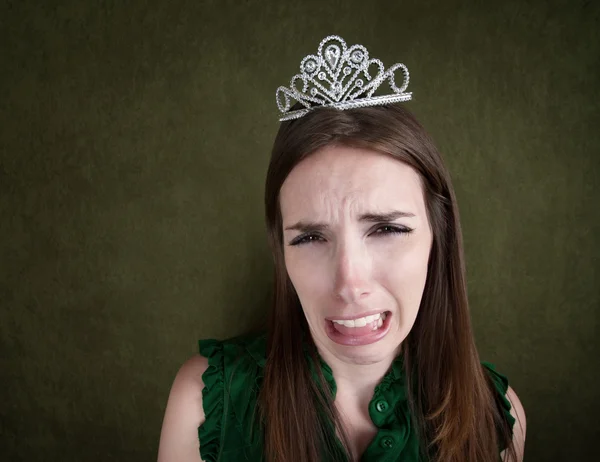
[209, 432]
[500, 382]
[231, 384]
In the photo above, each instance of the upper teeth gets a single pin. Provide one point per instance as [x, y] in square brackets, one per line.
[361, 322]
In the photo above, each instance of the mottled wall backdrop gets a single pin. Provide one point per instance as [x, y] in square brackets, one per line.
[134, 144]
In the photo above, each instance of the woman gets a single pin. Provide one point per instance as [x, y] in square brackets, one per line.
[369, 353]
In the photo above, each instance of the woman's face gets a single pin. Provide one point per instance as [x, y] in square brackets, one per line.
[356, 246]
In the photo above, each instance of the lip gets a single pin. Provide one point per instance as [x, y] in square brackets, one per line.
[347, 340]
[356, 316]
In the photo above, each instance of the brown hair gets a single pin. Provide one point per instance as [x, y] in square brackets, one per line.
[453, 404]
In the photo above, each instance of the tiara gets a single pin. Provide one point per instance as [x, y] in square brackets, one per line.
[339, 77]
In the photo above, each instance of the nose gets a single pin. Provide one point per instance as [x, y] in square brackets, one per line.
[352, 275]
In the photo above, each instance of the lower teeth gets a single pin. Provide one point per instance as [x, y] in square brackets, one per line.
[377, 324]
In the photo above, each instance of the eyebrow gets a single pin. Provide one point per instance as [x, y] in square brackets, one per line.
[305, 226]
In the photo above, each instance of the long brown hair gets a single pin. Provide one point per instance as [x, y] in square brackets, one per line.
[453, 405]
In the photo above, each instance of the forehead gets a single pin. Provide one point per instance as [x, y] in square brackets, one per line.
[355, 179]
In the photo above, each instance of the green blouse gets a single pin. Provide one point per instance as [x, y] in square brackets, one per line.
[233, 379]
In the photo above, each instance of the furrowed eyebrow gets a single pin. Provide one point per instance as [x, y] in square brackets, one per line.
[305, 226]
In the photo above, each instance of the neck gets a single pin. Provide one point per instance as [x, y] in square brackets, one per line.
[356, 380]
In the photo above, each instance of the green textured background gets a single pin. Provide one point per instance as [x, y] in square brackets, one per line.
[134, 143]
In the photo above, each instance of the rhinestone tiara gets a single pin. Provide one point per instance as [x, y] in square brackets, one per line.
[339, 77]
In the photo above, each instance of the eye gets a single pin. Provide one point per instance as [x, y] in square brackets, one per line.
[382, 230]
[305, 239]
[389, 229]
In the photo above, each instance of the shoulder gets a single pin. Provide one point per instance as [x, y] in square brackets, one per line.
[184, 413]
[520, 426]
[191, 371]
[209, 387]
[512, 408]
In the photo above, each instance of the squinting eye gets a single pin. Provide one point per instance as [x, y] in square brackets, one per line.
[387, 229]
[306, 239]
[382, 230]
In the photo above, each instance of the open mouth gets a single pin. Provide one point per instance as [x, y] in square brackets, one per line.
[362, 331]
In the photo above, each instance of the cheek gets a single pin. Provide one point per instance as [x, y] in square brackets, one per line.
[404, 275]
[308, 278]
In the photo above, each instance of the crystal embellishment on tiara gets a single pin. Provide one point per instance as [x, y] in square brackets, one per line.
[339, 77]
